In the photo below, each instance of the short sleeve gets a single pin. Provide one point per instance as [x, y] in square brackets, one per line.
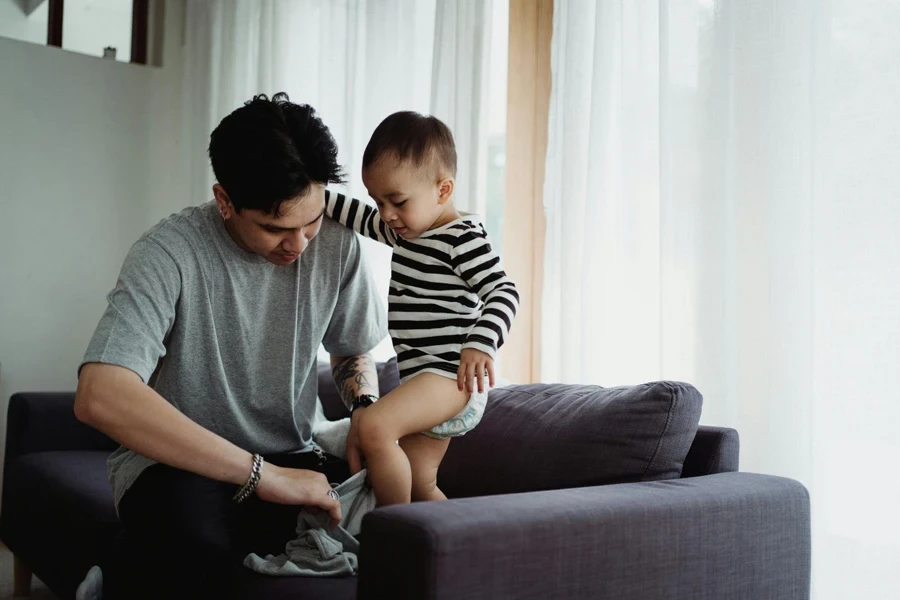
[358, 322]
[140, 311]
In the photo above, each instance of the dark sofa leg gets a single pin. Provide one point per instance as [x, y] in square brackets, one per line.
[21, 579]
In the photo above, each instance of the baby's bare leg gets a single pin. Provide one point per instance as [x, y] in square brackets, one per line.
[419, 404]
[425, 455]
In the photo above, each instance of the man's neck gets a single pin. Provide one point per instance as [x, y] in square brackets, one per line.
[233, 234]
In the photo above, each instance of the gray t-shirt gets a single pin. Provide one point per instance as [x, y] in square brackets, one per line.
[229, 338]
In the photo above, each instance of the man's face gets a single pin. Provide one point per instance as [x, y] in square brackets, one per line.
[280, 240]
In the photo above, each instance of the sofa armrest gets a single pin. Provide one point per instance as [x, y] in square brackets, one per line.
[722, 537]
[44, 422]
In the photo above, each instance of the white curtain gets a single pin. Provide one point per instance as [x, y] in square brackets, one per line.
[459, 90]
[356, 62]
[723, 207]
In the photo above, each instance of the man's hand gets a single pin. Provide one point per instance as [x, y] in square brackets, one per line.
[297, 487]
[354, 454]
[473, 363]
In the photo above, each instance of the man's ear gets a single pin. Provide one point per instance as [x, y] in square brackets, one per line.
[223, 202]
[445, 189]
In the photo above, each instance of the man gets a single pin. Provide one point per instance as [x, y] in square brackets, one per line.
[203, 366]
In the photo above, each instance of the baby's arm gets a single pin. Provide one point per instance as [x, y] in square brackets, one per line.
[358, 216]
[479, 266]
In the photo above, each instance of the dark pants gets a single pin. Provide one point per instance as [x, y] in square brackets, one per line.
[184, 537]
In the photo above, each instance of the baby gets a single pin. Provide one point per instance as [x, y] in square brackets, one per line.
[450, 304]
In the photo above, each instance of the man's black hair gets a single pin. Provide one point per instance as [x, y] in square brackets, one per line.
[270, 151]
[410, 136]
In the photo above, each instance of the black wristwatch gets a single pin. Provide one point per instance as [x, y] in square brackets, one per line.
[362, 401]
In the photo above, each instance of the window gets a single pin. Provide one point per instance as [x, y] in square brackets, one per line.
[94, 26]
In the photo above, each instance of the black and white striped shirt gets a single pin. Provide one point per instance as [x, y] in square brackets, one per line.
[448, 290]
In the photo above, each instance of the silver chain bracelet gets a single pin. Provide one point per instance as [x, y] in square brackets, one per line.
[255, 474]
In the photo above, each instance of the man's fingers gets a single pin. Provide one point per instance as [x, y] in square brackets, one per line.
[323, 500]
[335, 512]
[329, 505]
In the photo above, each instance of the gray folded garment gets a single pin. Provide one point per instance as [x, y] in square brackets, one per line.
[320, 550]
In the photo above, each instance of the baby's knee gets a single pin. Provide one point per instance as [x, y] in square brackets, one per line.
[374, 432]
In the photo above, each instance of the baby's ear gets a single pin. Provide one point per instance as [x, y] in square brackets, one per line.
[445, 189]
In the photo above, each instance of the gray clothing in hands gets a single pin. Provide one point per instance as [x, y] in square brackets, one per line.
[229, 338]
[320, 550]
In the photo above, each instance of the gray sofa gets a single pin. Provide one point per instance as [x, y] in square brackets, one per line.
[561, 492]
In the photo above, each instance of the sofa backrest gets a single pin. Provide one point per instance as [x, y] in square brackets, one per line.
[550, 436]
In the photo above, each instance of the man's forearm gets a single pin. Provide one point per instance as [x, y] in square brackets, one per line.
[115, 401]
[354, 375]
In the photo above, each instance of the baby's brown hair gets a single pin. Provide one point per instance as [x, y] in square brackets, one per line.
[408, 136]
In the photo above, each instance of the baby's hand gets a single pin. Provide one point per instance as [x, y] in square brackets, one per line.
[473, 363]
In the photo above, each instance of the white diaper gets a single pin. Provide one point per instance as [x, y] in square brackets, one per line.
[467, 419]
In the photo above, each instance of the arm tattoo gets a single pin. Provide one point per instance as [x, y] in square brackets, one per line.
[354, 375]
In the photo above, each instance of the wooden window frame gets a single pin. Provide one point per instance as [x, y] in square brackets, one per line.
[527, 114]
[139, 16]
[55, 23]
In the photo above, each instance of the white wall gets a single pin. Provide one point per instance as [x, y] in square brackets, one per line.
[89, 151]
[16, 25]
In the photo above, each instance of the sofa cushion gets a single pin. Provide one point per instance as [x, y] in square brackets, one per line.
[78, 478]
[539, 437]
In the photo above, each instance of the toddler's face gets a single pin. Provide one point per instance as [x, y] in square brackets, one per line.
[408, 199]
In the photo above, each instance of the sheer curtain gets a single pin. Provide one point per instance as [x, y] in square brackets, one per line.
[723, 207]
[356, 62]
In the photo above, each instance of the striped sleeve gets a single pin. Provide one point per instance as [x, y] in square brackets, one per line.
[358, 216]
[479, 266]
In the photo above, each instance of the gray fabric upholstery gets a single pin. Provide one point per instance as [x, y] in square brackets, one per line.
[59, 502]
[714, 450]
[733, 536]
[45, 421]
[538, 437]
